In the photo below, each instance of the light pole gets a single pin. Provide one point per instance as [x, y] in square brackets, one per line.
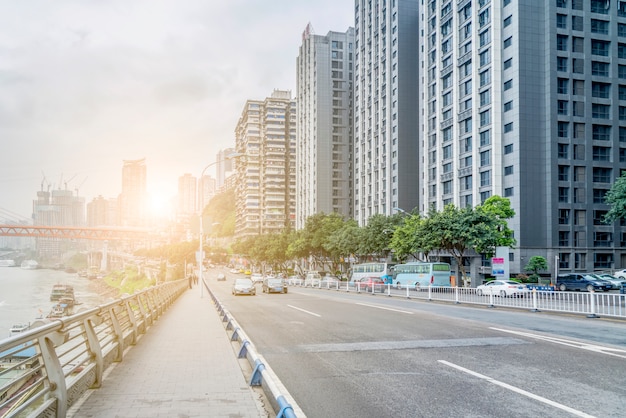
[200, 257]
[402, 211]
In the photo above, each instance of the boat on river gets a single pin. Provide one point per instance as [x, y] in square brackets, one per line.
[61, 291]
[65, 307]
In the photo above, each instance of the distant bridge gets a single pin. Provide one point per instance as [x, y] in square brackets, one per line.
[74, 232]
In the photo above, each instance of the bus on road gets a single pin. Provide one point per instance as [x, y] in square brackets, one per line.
[359, 271]
[417, 275]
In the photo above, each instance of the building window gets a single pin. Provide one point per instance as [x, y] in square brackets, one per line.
[621, 71]
[578, 65]
[564, 216]
[485, 158]
[484, 38]
[600, 111]
[601, 154]
[599, 195]
[561, 21]
[578, 87]
[601, 132]
[508, 106]
[561, 42]
[600, 6]
[600, 48]
[485, 138]
[621, 50]
[601, 90]
[508, 85]
[508, 192]
[562, 85]
[508, 21]
[563, 129]
[601, 175]
[508, 41]
[564, 238]
[577, 23]
[579, 130]
[508, 149]
[563, 151]
[485, 97]
[485, 178]
[508, 170]
[598, 26]
[485, 117]
[561, 64]
[562, 107]
[564, 194]
[484, 57]
[485, 77]
[508, 63]
[563, 173]
[508, 127]
[600, 68]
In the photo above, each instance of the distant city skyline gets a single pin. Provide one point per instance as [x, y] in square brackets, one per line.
[79, 98]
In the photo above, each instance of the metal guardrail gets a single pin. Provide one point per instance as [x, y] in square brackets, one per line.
[262, 374]
[47, 368]
[591, 304]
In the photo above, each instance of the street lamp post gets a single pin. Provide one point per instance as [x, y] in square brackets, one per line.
[200, 249]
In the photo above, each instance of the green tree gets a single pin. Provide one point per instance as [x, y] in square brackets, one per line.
[616, 198]
[499, 210]
[536, 264]
[376, 236]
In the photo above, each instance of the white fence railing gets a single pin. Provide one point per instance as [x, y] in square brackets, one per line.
[47, 368]
[591, 304]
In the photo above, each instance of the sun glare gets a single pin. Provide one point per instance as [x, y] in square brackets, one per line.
[159, 206]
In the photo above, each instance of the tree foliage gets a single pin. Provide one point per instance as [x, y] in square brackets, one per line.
[616, 198]
[536, 264]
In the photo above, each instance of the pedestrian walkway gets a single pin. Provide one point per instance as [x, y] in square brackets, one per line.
[184, 366]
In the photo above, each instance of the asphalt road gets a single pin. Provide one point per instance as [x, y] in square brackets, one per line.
[359, 355]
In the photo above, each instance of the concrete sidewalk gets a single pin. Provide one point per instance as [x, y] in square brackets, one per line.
[184, 366]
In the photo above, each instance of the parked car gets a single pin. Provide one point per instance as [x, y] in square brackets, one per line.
[329, 282]
[616, 282]
[620, 274]
[256, 277]
[312, 279]
[221, 277]
[503, 288]
[366, 284]
[243, 287]
[294, 280]
[576, 281]
[274, 285]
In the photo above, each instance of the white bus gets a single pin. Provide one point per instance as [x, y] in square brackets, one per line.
[417, 275]
[359, 271]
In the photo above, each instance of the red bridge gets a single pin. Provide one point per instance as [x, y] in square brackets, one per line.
[74, 232]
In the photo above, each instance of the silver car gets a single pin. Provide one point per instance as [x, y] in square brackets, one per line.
[243, 287]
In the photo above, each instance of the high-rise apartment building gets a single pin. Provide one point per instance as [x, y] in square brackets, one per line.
[324, 124]
[102, 212]
[133, 199]
[186, 197]
[527, 100]
[206, 191]
[386, 107]
[224, 166]
[265, 191]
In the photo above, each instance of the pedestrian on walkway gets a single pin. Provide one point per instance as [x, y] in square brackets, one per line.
[190, 278]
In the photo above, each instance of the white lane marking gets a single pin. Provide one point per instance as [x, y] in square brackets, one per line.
[615, 352]
[305, 311]
[385, 308]
[518, 390]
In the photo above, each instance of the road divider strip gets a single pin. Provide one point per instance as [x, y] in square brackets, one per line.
[517, 390]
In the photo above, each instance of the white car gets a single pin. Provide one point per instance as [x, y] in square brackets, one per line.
[620, 274]
[503, 288]
[257, 277]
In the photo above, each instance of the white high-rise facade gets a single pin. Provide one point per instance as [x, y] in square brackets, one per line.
[387, 108]
[324, 124]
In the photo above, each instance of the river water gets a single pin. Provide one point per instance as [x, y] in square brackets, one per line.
[25, 294]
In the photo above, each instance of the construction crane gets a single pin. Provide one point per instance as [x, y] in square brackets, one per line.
[80, 185]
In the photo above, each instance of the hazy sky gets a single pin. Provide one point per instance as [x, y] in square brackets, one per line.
[86, 84]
